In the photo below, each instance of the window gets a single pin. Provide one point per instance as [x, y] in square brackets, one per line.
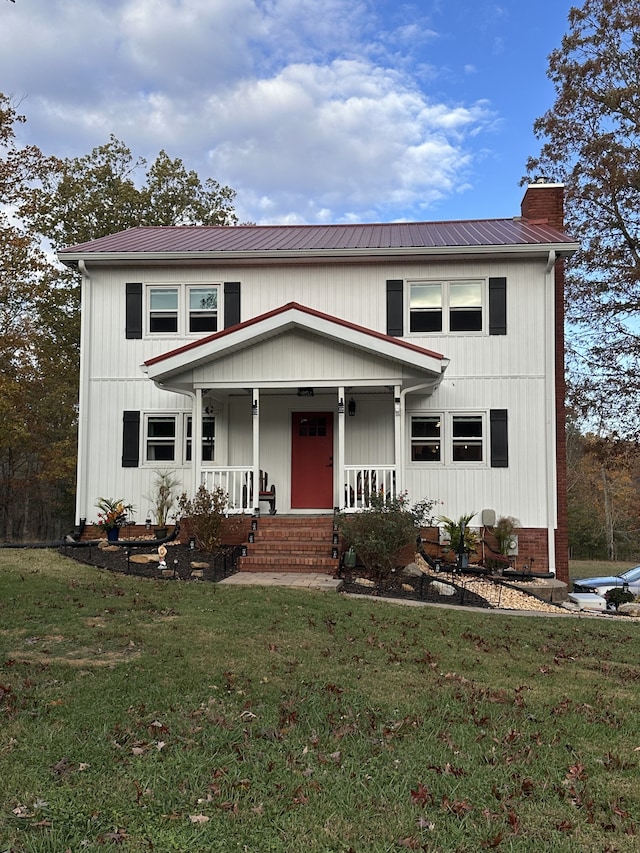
[161, 438]
[313, 426]
[446, 306]
[182, 309]
[203, 309]
[208, 438]
[448, 438]
[426, 441]
[167, 434]
[465, 306]
[163, 309]
[467, 438]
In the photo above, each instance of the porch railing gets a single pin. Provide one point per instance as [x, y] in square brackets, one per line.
[361, 481]
[234, 481]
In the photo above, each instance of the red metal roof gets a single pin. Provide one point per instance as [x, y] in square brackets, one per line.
[274, 239]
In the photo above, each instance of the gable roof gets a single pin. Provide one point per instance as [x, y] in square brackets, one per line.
[290, 241]
[290, 316]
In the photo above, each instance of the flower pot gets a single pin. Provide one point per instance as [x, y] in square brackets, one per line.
[161, 532]
[113, 534]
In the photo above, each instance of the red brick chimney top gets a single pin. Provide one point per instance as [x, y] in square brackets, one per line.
[543, 204]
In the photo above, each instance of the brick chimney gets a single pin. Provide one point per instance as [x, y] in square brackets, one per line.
[543, 204]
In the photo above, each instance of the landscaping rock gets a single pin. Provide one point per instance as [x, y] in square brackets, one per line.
[196, 565]
[144, 558]
[631, 608]
[442, 588]
[413, 570]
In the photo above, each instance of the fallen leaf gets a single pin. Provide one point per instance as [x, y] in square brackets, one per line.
[199, 818]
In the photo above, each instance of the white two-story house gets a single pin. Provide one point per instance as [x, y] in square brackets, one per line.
[424, 358]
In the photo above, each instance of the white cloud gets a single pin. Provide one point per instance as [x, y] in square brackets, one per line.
[312, 113]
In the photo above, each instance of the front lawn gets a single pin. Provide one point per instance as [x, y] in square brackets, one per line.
[147, 715]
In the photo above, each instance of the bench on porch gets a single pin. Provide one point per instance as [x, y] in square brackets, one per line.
[267, 494]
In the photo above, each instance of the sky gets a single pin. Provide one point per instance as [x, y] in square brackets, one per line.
[313, 111]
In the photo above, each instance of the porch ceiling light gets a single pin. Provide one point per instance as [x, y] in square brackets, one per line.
[305, 392]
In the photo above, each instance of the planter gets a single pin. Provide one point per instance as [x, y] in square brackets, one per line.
[113, 534]
[161, 532]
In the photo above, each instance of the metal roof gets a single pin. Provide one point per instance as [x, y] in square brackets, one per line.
[274, 240]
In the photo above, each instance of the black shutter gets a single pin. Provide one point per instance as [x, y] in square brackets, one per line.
[133, 310]
[131, 439]
[499, 438]
[497, 306]
[231, 303]
[395, 307]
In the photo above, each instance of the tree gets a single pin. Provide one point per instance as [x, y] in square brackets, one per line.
[90, 196]
[66, 202]
[592, 144]
[38, 356]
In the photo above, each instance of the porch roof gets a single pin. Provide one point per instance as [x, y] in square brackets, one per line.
[290, 317]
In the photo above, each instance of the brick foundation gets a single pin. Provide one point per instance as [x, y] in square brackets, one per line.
[532, 549]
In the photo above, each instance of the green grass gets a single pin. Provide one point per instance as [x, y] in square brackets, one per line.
[597, 568]
[165, 716]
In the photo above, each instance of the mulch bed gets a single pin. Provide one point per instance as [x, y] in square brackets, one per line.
[179, 560]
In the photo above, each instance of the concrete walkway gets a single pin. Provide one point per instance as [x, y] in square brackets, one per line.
[295, 580]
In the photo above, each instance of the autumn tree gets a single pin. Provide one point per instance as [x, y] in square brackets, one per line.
[38, 356]
[64, 202]
[102, 192]
[603, 497]
[591, 142]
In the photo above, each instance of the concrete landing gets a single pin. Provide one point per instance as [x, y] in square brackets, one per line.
[549, 590]
[294, 580]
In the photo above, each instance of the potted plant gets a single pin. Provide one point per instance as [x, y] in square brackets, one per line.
[162, 499]
[112, 515]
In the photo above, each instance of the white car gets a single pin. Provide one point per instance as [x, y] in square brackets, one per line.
[626, 580]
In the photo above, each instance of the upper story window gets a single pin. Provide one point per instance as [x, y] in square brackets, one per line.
[163, 309]
[446, 306]
[182, 309]
[203, 309]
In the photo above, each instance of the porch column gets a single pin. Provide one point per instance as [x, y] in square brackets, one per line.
[196, 441]
[255, 420]
[341, 451]
[398, 426]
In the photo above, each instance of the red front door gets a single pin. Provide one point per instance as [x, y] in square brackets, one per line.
[312, 460]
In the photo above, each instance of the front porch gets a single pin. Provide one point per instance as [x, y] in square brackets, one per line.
[313, 402]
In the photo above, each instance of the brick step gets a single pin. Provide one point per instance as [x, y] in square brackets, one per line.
[291, 544]
[309, 548]
[292, 540]
[283, 564]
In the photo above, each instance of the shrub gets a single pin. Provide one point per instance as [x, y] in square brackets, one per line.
[379, 532]
[454, 529]
[617, 596]
[206, 512]
[503, 531]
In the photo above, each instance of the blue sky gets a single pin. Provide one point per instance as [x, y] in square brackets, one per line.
[332, 111]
